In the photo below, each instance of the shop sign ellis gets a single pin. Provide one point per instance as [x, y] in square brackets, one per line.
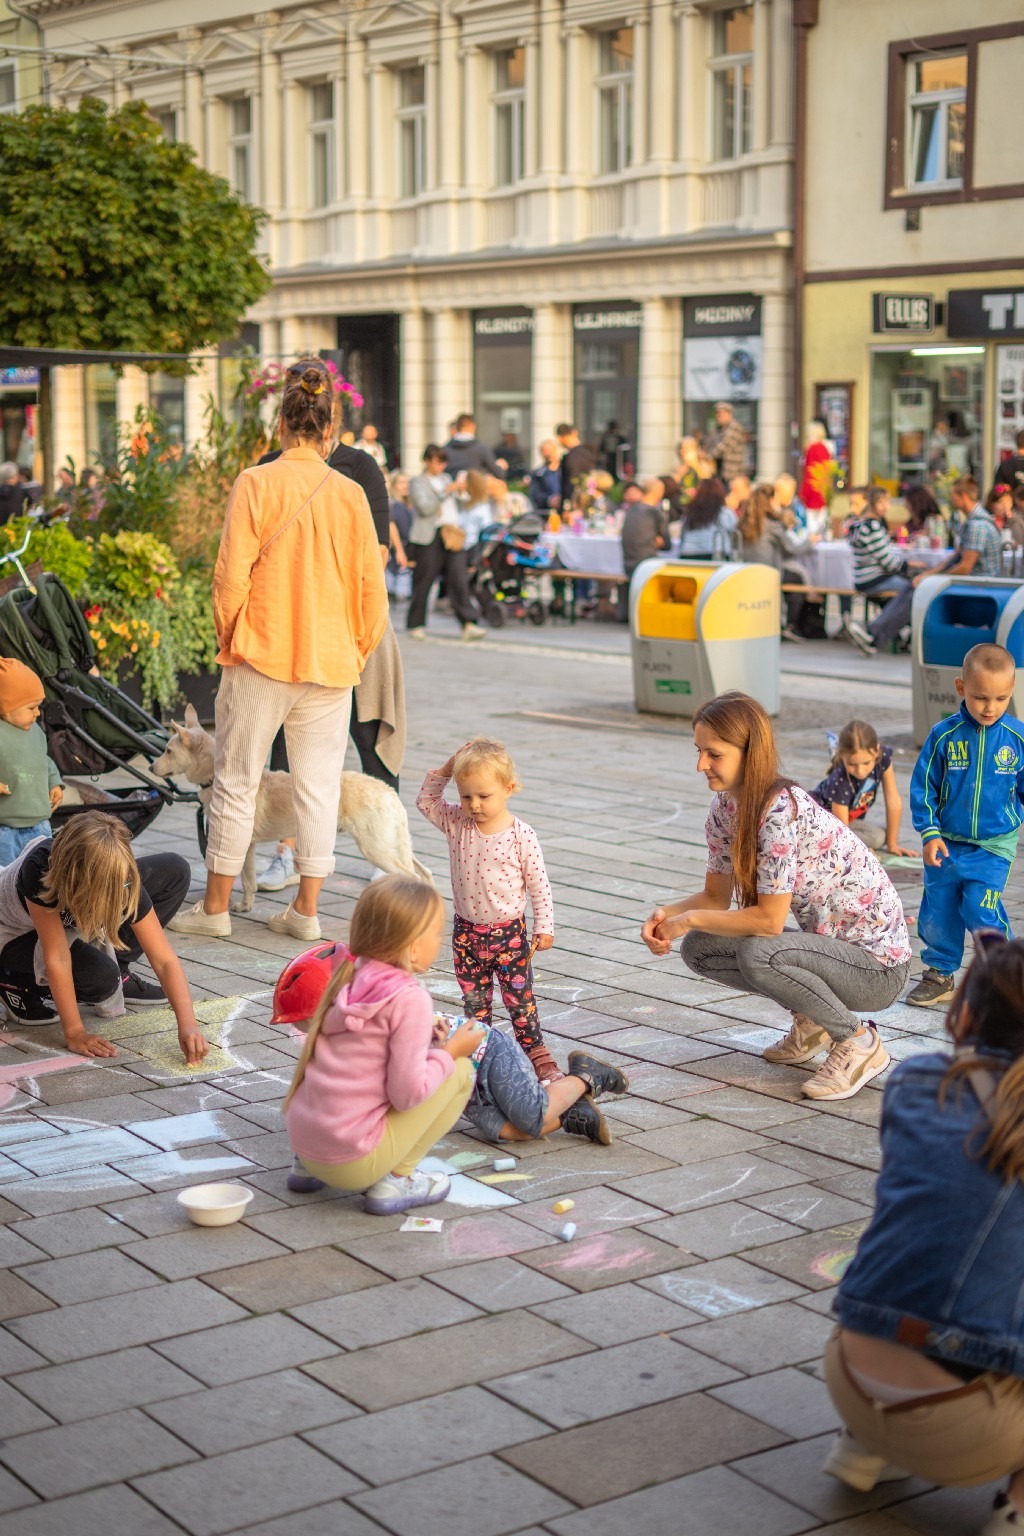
[903, 313]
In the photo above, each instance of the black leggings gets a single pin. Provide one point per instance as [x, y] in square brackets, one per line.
[165, 880]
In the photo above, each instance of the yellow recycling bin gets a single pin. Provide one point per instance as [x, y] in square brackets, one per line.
[700, 628]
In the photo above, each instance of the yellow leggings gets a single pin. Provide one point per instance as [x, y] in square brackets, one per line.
[408, 1135]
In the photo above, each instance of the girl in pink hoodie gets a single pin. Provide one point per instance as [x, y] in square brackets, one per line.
[371, 1094]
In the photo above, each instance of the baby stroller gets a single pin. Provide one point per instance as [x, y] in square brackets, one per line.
[509, 570]
[91, 727]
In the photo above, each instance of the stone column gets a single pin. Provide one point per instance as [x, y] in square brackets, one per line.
[69, 436]
[576, 99]
[380, 180]
[662, 81]
[355, 104]
[476, 138]
[643, 107]
[435, 122]
[531, 108]
[199, 387]
[692, 147]
[762, 74]
[192, 126]
[774, 445]
[551, 372]
[660, 407]
[551, 95]
[271, 169]
[782, 72]
[450, 370]
[413, 383]
[445, 107]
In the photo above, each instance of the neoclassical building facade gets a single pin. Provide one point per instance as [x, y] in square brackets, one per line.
[539, 209]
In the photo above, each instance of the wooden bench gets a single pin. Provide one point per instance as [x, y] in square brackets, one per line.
[557, 573]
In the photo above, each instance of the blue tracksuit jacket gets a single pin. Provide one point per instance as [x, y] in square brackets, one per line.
[967, 788]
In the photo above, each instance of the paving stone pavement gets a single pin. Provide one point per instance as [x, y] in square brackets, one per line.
[313, 1371]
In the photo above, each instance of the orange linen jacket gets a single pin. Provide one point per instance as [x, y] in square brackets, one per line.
[314, 606]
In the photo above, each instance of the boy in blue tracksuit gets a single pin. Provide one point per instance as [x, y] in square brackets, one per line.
[966, 797]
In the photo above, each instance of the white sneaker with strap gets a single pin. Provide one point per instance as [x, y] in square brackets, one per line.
[850, 1067]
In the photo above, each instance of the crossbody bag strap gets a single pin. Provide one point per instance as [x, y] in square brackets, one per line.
[294, 517]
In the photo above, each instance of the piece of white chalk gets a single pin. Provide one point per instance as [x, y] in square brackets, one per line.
[563, 1207]
[568, 1232]
[503, 1163]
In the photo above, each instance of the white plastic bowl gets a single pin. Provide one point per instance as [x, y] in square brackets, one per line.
[215, 1205]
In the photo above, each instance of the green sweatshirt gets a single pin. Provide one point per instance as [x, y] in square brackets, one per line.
[28, 773]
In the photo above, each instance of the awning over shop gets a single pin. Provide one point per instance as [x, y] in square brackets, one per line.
[65, 357]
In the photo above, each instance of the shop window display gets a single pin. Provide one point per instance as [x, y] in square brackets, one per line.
[927, 414]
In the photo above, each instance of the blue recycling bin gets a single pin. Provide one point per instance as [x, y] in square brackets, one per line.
[950, 615]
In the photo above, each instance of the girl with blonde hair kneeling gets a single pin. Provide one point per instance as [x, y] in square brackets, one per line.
[371, 1094]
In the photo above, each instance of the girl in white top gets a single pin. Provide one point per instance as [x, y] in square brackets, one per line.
[496, 862]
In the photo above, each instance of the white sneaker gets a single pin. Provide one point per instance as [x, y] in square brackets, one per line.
[473, 632]
[857, 1467]
[1005, 1517]
[279, 872]
[196, 920]
[805, 1039]
[862, 638]
[295, 924]
[850, 1067]
[419, 633]
[396, 1193]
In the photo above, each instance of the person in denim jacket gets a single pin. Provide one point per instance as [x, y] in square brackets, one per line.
[926, 1367]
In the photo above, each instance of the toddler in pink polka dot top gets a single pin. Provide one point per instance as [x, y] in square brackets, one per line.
[496, 862]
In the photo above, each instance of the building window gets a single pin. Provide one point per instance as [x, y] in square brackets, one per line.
[927, 410]
[412, 132]
[509, 115]
[321, 144]
[240, 147]
[615, 100]
[732, 72]
[8, 89]
[937, 117]
[167, 121]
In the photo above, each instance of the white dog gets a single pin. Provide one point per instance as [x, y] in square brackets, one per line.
[369, 811]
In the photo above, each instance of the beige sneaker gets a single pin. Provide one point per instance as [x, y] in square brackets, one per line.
[805, 1039]
[196, 920]
[417, 634]
[295, 924]
[473, 632]
[850, 1065]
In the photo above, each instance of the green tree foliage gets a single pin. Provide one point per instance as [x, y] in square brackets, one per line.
[113, 238]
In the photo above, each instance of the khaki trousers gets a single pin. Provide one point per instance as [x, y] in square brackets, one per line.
[250, 710]
[972, 1434]
[408, 1135]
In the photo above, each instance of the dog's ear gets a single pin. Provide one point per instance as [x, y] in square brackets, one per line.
[191, 718]
[180, 729]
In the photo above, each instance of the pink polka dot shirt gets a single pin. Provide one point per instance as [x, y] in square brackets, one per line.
[494, 872]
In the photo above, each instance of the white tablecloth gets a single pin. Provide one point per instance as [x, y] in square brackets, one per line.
[587, 552]
[831, 565]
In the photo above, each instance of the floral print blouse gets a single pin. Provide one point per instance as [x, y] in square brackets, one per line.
[838, 887]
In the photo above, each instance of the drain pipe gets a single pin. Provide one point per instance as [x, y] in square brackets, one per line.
[805, 16]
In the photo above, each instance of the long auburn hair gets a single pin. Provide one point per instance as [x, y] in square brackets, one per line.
[740, 720]
[390, 915]
[93, 875]
[986, 1017]
[756, 511]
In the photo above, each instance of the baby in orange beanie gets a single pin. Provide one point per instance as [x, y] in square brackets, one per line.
[31, 786]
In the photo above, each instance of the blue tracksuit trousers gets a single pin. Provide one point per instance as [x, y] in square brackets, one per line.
[963, 893]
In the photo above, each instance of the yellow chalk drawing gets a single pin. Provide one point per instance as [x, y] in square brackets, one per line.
[155, 1037]
[504, 1178]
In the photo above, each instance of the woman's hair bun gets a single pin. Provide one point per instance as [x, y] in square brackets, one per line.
[313, 382]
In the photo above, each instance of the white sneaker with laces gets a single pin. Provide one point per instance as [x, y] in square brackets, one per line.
[862, 638]
[805, 1039]
[196, 920]
[279, 873]
[850, 1066]
[857, 1467]
[401, 1192]
[295, 924]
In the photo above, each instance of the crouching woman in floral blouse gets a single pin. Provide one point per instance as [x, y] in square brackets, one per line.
[780, 854]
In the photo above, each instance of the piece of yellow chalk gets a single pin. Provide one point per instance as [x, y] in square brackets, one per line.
[561, 1206]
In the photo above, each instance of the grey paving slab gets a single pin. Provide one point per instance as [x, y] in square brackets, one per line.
[420, 1437]
[206, 1164]
[18, 1298]
[807, 1206]
[159, 1312]
[69, 1191]
[722, 1287]
[13, 1493]
[691, 1506]
[293, 1280]
[239, 1350]
[386, 1375]
[97, 1513]
[790, 1400]
[66, 1154]
[310, 1224]
[834, 1138]
[103, 1384]
[944, 1512]
[241, 1487]
[266, 1149]
[594, 1210]
[185, 1130]
[15, 1249]
[117, 1109]
[86, 1276]
[388, 1312]
[337, 1519]
[490, 1235]
[723, 1178]
[616, 1314]
[71, 1232]
[18, 1414]
[180, 1254]
[615, 1456]
[248, 1412]
[16, 1356]
[73, 1457]
[153, 1215]
[93, 1082]
[797, 1470]
[742, 1107]
[477, 1498]
[762, 1340]
[715, 1231]
[816, 1260]
[607, 1258]
[642, 1114]
[610, 1381]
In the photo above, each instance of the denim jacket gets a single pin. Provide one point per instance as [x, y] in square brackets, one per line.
[941, 1265]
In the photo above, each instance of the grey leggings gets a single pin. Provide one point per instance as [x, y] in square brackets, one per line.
[806, 972]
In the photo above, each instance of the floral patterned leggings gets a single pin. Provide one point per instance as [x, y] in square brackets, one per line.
[482, 951]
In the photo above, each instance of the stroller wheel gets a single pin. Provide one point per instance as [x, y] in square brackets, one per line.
[536, 613]
[494, 614]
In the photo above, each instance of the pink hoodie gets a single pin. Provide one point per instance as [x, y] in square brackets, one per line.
[373, 1054]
